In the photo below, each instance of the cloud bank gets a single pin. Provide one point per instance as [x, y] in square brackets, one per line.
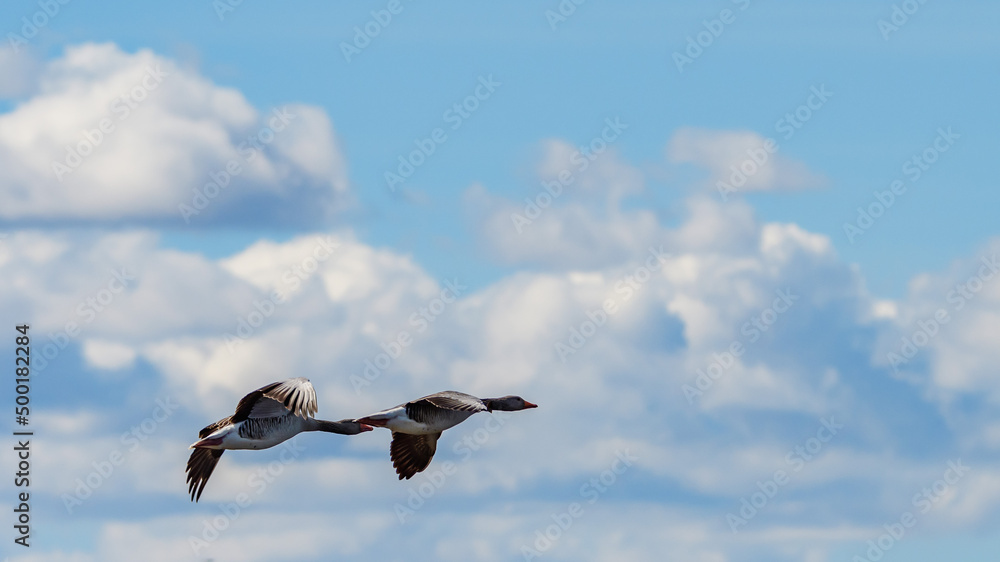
[111, 137]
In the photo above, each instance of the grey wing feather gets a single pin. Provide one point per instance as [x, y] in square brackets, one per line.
[267, 408]
[457, 401]
[295, 395]
[274, 400]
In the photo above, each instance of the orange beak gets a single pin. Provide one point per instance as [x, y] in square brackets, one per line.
[529, 405]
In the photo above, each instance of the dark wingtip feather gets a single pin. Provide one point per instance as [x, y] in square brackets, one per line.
[200, 466]
[411, 454]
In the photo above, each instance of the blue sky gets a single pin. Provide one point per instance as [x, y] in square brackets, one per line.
[886, 332]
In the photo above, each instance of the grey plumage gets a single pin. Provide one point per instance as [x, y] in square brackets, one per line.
[417, 425]
[258, 428]
[263, 418]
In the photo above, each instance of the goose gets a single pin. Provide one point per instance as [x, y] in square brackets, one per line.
[264, 418]
[417, 425]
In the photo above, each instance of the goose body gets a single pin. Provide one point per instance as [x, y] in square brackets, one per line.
[264, 418]
[417, 425]
[258, 433]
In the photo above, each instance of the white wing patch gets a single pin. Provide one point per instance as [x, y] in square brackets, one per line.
[296, 395]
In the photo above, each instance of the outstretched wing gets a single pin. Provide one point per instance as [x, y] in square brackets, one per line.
[276, 399]
[199, 467]
[458, 401]
[439, 404]
[412, 453]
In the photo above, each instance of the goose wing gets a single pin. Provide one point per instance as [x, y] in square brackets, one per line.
[412, 453]
[199, 467]
[277, 399]
[449, 400]
[212, 428]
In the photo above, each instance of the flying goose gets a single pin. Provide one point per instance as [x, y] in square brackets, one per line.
[417, 425]
[263, 418]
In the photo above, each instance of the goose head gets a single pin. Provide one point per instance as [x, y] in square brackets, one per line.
[508, 404]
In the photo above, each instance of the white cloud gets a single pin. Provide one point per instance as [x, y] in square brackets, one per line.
[600, 175]
[621, 389]
[496, 340]
[108, 355]
[940, 339]
[167, 133]
[20, 72]
[257, 536]
[946, 319]
[744, 160]
[572, 217]
[582, 222]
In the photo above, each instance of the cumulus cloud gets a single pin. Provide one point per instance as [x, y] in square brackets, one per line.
[116, 137]
[572, 217]
[708, 349]
[344, 301]
[739, 161]
[569, 235]
[945, 323]
[578, 216]
[20, 71]
[586, 172]
[940, 340]
[108, 355]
